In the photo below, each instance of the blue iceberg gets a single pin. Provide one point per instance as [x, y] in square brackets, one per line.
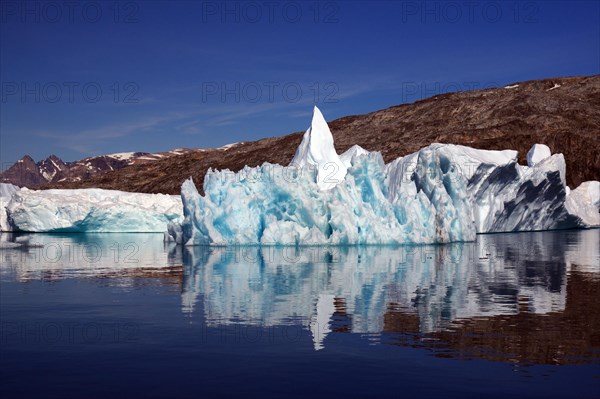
[442, 193]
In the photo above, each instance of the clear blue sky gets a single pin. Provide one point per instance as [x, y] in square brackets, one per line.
[106, 77]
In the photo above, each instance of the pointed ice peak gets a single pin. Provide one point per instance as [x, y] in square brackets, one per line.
[318, 122]
[317, 143]
[317, 149]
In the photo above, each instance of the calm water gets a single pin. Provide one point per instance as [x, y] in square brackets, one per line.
[123, 315]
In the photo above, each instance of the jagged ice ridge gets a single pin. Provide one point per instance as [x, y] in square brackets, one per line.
[442, 193]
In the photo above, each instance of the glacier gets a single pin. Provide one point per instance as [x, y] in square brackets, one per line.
[90, 210]
[442, 193]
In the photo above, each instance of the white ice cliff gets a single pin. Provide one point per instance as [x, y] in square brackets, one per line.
[6, 193]
[584, 202]
[442, 193]
[91, 210]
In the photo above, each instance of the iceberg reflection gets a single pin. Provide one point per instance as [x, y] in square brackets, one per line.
[524, 297]
[435, 286]
[64, 255]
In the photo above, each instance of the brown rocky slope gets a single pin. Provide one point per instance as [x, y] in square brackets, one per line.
[563, 113]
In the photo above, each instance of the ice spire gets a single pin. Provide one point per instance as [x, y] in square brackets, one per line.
[317, 150]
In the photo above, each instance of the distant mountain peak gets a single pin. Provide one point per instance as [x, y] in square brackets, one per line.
[26, 158]
[27, 173]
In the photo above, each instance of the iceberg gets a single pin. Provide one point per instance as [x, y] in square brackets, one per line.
[442, 193]
[91, 210]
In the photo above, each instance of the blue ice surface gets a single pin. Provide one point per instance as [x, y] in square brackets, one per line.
[276, 205]
[425, 198]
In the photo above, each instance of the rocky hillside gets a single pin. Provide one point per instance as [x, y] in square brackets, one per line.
[563, 113]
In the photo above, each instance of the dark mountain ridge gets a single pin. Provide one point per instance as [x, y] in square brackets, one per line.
[28, 173]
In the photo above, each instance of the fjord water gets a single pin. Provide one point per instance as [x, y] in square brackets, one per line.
[86, 315]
